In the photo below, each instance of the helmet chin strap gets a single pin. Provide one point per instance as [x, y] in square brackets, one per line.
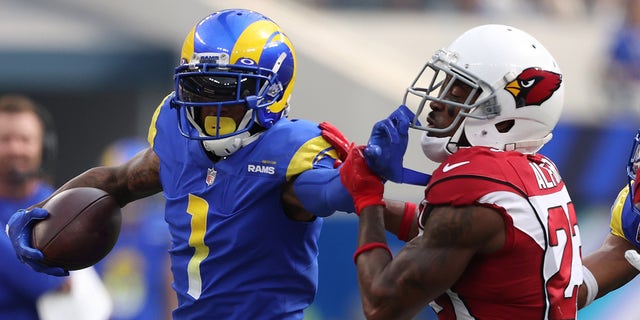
[435, 148]
[438, 149]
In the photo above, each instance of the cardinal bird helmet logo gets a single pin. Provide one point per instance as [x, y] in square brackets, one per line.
[533, 86]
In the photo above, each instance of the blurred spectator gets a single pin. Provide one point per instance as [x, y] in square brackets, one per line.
[622, 73]
[27, 141]
[136, 272]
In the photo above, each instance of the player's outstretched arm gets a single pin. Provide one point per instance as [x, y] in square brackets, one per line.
[135, 179]
[398, 287]
[399, 216]
[427, 266]
[609, 267]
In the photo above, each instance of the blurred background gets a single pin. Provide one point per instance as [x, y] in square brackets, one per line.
[101, 67]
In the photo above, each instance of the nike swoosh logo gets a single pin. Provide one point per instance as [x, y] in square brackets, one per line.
[447, 167]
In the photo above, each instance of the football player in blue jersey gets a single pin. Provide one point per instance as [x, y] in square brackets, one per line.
[617, 261]
[246, 188]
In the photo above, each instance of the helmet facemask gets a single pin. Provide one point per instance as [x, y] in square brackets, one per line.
[521, 92]
[434, 84]
[219, 88]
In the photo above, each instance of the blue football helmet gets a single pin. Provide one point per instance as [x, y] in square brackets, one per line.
[233, 58]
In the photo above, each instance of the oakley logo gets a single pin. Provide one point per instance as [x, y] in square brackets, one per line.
[247, 62]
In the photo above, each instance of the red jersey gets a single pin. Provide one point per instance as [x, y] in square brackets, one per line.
[537, 273]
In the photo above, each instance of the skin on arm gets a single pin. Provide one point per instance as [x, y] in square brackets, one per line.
[393, 216]
[428, 265]
[609, 267]
[134, 179]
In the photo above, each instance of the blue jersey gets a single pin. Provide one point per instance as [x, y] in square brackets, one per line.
[21, 286]
[235, 254]
[625, 222]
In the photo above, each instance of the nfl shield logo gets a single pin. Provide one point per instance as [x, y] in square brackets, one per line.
[211, 175]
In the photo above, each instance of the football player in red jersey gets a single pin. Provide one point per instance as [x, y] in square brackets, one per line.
[499, 237]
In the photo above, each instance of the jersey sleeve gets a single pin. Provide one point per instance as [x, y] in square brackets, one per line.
[313, 150]
[625, 222]
[616, 213]
[153, 129]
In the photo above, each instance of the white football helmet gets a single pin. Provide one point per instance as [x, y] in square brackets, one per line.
[517, 82]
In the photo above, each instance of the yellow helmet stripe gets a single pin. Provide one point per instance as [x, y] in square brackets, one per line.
[255, 35]
[187, 46]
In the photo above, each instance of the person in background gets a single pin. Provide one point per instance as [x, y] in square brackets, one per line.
[22, 134]
[136, 272]
[622, 70]
[27, 143]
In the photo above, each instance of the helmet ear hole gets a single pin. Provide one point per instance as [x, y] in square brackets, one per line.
[505, 126]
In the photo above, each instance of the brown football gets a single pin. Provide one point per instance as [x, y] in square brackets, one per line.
[82, 227]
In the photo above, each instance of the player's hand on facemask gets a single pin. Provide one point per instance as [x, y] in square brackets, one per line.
[339, 142]
[19, 229]
[387, 145]
[363, 185]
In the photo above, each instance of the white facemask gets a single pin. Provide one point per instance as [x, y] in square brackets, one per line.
[435, 148]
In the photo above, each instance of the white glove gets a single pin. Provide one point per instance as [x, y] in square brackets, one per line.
[633, 257]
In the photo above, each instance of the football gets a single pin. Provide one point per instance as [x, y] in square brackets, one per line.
[82, 227]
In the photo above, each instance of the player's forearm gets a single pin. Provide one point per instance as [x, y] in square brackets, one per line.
[320, 192]
[609, 267]
[387, 291]
[115, 181]
[371, 257]
[400, 218]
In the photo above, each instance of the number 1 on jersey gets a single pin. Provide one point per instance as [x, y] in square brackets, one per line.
[198, 209]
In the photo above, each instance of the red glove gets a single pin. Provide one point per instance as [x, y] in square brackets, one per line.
[337, 140]
[363, 185]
